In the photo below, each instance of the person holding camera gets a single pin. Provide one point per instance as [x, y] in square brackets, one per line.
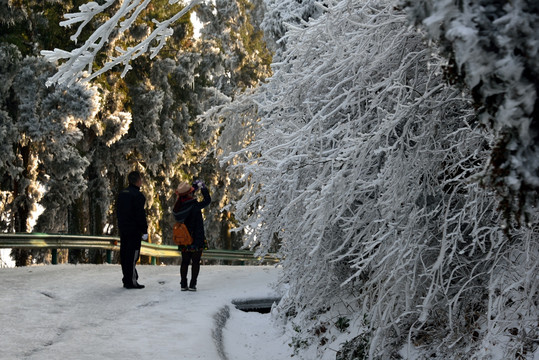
[187, 210]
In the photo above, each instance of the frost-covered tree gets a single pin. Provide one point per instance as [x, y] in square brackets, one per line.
[32, 25]
[232, 42]
[364, 173]
[146, 119]
[169, 144]
[232, 32]
[165, 91]
[53, 122]
[40, 133]
[10, 58]
[492, 47]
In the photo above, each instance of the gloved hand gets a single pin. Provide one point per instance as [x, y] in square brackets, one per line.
[201, 184]
[198, 184]
[145, 237]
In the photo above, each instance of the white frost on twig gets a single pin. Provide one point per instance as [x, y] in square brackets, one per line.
[78, 64]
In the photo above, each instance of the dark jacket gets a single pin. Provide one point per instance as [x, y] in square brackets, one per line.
[131, 214]
[187, 210]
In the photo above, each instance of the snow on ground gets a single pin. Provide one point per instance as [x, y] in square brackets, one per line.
[82, 312]
[5, 259]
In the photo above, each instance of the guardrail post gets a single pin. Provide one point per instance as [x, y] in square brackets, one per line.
[54, 253]
[153, 259]
[109, 256]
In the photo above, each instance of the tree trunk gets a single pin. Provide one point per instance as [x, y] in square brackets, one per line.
[75, 225]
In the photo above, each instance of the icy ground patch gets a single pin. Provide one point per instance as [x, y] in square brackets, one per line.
[82, 312]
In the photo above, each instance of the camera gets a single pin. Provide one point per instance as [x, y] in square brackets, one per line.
[197, 184]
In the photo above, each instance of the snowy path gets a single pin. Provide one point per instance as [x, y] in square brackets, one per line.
[82, 312]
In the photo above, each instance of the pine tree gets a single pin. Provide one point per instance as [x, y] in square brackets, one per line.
[41, 132]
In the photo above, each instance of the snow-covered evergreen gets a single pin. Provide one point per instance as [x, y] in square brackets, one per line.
[51, 119]
[10, 58]
[41, 133]
[147, 119]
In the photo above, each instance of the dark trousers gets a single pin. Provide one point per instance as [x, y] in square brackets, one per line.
[193, 258]
[128, 257]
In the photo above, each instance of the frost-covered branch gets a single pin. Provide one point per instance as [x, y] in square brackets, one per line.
[78, 63]
[492, 47]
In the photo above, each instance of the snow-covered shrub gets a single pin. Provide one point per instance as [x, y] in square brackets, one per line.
[364, 171]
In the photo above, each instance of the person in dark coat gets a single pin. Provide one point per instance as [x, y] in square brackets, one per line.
[188, 210]
[133, 228]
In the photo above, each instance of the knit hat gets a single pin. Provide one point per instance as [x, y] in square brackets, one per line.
[184, 188]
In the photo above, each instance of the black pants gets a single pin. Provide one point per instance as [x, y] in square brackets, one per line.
[193, 258]
[128, 257]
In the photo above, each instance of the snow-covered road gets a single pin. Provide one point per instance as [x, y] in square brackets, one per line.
[82, 312]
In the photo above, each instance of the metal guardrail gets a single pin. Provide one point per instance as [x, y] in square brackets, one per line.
[112, 243]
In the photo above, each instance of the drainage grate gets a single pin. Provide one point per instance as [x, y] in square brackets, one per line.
[262, 306]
